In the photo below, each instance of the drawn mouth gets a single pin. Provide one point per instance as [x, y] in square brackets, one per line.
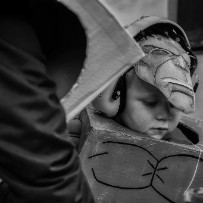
[156, 177]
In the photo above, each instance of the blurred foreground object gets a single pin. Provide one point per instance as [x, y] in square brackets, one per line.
[110, 52]
[38, 160]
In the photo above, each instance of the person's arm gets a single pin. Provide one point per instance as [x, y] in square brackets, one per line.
[38, 162]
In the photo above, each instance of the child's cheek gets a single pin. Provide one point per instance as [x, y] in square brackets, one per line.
[176, 117]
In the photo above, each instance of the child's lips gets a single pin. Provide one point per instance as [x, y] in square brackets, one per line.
[157, 133]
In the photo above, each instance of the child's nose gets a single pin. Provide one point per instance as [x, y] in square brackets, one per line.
[164, 111]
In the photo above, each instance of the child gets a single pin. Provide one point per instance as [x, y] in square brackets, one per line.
[149, 98]
[152, 95]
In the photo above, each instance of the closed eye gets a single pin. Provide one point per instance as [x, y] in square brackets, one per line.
[149, 103]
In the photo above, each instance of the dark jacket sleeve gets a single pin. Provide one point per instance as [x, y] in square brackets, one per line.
[38, 162]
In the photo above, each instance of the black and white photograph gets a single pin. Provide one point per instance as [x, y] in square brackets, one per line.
[101, 101]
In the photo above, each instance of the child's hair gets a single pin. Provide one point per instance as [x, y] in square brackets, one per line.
[161, 29]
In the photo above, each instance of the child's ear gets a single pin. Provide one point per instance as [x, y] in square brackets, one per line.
[108, 101]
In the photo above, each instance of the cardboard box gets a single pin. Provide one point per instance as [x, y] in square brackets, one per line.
[123, 166]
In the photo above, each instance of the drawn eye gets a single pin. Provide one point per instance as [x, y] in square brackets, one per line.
[142, 63]
[158, 51]
[181, 63]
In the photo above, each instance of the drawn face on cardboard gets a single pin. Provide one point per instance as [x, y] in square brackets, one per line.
[122, 166]
[147, 110]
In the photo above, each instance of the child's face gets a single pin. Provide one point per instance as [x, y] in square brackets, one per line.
[147, 110]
